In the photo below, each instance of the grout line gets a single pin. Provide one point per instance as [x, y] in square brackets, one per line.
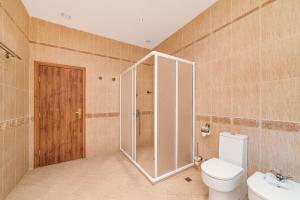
[84, 52]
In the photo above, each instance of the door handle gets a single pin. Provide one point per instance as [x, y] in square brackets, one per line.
[78, 113]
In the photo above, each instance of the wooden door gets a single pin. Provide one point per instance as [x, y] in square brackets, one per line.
[59, 113]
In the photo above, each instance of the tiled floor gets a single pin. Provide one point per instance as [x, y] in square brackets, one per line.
[105, 178]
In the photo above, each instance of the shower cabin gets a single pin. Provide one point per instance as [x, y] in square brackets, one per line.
[157, 115]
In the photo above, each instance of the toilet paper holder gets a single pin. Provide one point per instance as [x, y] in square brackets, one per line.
[205, 128]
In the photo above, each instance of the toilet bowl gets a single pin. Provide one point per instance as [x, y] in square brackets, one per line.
[226, 176]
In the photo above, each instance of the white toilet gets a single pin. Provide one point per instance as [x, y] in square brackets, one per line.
[226, 176]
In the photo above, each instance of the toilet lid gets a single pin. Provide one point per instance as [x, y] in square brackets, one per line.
[221, 169]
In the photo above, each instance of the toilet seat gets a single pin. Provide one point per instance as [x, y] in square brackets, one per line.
[220, 169]
[221, 175]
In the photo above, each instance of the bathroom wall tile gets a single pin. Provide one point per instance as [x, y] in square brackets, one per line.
[246, 101]
[1, 103]
[221, 43]
[20, 152]
[280, 19]
[1, 24]
[188, 32]
[203, 76]
[13, 86]
[187, 53]
[239, 8]
[9, 27]
[22, 18]
[221, 101]
[245, 67]
[10, 7]
[280, 151]
[203, 107]
[246, 33]
[202, 51]
[281, 100]
[203, 24]
[221, 72]
[9, 100]
[220, 13]
[281, 59]
[9, 72]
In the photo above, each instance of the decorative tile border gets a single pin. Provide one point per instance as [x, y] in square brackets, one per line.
[4, 125]
[252, 123]
[111, 114]
[102, 115]
[245, 122]
[283, 126]
[221, 120]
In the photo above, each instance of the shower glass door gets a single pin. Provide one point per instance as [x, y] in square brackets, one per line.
[144, 118]
[126, 142]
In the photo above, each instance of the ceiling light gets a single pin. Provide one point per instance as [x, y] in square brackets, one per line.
[141, 19]
[65, 16]
[148, 41]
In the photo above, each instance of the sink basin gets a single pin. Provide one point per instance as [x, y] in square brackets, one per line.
[260, 189]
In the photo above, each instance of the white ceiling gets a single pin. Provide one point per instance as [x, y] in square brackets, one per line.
[120, 19]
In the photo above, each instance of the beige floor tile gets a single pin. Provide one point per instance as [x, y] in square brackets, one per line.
[105, 178]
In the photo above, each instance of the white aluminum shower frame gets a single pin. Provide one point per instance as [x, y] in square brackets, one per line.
[132, 157]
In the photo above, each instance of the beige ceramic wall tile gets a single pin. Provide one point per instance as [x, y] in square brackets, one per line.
[9, 102]
[246, 101]
[1, 103]
[221, 101]
[245, 33]
[22, 17]
[1, 23]
[47, 33]
[245, 67]
[202, 51]
[281, 100]
[220, 13]
[9, 72]
[280, 19]
[281, 59]
[221, 72]
[9, 27]
[9, 160]
[203, 107]
[239, 7]
[221, 43]
[203, 76]
[20, 152]
[203, 24]
[280, 151]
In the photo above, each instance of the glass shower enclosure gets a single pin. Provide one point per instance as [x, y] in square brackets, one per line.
[157, 114]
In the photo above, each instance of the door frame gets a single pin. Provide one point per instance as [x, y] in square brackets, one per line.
[37, 65]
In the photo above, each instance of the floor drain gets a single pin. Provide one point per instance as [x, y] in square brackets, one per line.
[188, 179]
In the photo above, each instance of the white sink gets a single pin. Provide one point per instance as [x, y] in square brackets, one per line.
[260, 189]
